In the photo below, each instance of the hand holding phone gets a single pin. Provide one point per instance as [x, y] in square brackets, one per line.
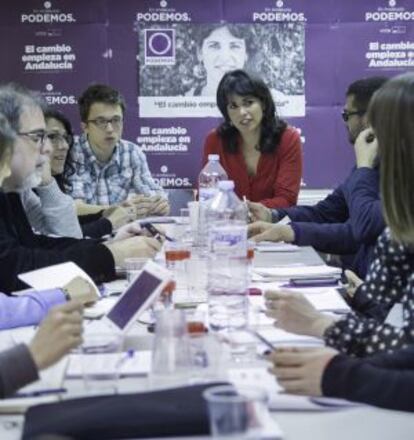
[313, 281]
[156, 233]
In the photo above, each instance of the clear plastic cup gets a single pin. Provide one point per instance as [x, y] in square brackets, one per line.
[170, 357]
[133, 267]
[236, 412]
[101, 361]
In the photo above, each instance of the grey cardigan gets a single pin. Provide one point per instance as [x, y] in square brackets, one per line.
[51, 212]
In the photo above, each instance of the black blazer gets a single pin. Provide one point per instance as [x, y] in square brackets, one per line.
[22, 250]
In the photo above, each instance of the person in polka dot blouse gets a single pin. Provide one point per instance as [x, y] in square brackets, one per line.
[371, 361]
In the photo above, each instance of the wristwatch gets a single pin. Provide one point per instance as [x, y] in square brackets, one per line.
[66, 293]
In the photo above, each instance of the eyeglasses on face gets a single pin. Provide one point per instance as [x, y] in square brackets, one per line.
[58, 138]
[346, 114]
[36, 136]
[102, 123]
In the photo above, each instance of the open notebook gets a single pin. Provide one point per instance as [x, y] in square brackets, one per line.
[56, 276]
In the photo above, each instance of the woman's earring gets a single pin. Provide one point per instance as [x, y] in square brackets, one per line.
[199, 71]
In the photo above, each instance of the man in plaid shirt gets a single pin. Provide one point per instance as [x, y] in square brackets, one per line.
[108, 169]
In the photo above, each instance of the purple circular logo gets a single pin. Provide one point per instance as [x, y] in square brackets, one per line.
[159, 43]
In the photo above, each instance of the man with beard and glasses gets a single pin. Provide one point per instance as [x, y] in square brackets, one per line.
[349, 220]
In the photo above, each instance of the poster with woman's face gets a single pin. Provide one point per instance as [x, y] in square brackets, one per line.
[180, 66]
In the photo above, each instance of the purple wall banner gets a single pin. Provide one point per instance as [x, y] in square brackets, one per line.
[180, 66]
[167, 56]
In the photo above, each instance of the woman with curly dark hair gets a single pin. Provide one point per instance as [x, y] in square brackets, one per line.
[60, 135]
[258, 150]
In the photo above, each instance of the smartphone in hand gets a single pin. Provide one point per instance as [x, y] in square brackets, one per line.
[314, 281]
[156, 233]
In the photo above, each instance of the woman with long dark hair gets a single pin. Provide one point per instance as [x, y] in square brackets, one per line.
[258, 150]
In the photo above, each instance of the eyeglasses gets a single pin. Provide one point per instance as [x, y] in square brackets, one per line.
[346, 114]
[102, 123]
[57, 138]
[36, 136]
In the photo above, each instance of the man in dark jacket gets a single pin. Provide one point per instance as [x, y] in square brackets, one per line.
[349, 220]
[21, 249]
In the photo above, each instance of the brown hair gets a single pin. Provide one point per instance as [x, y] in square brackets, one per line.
[391, 115]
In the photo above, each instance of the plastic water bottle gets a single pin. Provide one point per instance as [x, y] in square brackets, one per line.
[208, 180]
[228, 264]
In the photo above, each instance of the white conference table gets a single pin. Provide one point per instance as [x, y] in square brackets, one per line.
[360, 422]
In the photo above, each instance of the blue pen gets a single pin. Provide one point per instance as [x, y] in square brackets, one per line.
[40, 393]
[128, 355]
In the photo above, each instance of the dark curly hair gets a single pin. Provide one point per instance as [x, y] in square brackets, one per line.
[239, 82]
[69, 168]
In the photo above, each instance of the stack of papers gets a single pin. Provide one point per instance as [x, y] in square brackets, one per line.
[285, 273]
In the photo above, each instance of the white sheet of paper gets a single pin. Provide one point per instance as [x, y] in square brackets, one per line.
[51, 378]
[137, 365]
[285, 220]
[276, 336]
[268, 246]
[55, 276]
[323, 299]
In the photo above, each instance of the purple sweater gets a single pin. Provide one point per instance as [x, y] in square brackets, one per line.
[28, 309]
